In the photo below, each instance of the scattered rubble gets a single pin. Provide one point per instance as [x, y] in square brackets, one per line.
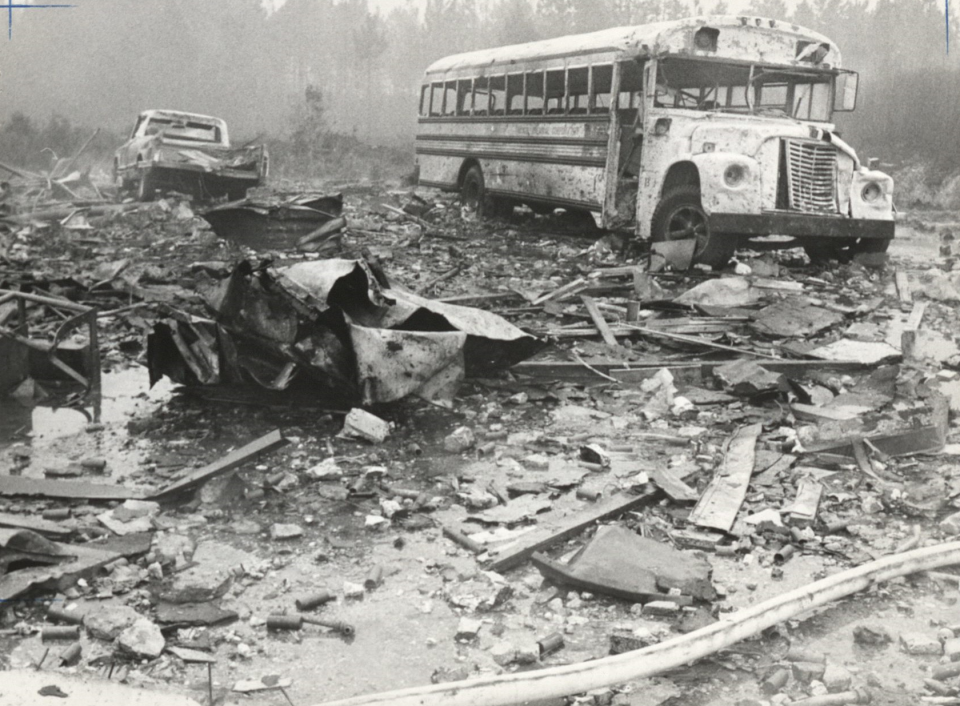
[542, 457]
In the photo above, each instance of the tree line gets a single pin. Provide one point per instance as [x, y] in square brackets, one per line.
[102, 62]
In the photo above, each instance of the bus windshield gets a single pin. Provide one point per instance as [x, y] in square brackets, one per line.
[751, 89]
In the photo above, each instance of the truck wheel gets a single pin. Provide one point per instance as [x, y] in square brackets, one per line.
[145, 188]
[680, 216]
[473, 192]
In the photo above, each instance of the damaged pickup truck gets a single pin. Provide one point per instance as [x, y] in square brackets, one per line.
[189, 154]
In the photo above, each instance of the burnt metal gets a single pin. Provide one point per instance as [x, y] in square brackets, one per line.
[60, 633]
[800, 225]
[315, 599]
[70, 655]
[550, 644]
[58, 615]
[374, 578]
[296, 622]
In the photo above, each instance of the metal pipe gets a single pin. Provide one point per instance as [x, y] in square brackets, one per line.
[554, 682]
[856, 696]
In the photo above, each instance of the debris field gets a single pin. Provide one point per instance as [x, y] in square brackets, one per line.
[321, 444]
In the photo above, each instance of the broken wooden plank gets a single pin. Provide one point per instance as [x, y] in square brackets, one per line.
[916, 316]
[567, 289]
[18, 485]
[45, 527]
[599, 321]
[78, 560]
[721, 501]
[698, 341]
[268, 442]
[671, 484]
[903, 287]
[543, 538]
[803, 510]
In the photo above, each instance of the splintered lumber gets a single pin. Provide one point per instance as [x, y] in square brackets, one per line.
[672, 485]
[698, 341]
[544, 538]
[570, 288]
[599, 321]
[721, 501]
[559, 682]
[269, 442]
[903, 287]
[45, 527]
[45, 487]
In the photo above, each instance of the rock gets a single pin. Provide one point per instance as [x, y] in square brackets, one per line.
[951, 649]
[131, 517]
[951, 524]
[363, 425]
[919, 643]
[872, 635]
[460, 440]
[537, 462]
[836, 678]
[806, 672]
[468, 629]
[353, 590]
[528, 652]
[503, 653]
[664, 608]
[143, 639]
[327, 469]
[280, 531]
[106, 622]
[167, 547]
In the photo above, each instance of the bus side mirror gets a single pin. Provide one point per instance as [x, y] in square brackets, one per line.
[845, 96]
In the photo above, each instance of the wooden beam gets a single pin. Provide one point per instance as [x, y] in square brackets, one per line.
[721, 501]
[599, 321]
[543, 538]
[269, 442]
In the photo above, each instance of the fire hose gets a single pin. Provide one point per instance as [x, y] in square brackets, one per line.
[553, 682]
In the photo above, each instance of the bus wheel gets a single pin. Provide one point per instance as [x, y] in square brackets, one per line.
[473, 191]
[680, 216]
[145, 188]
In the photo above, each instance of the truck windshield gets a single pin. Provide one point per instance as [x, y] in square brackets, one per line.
[183, 130]
[753, 89]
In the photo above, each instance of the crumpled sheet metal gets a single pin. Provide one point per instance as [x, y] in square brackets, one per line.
[335, 322]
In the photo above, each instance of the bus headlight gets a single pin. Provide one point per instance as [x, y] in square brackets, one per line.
[734, 175]
[871, 192]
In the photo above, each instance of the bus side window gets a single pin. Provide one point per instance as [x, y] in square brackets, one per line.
[535, 93]
[555, 89]
[481, 97]
[602, 87]
[498, 94]
[578, 82]
[436, 102]
[450, 98]
[424, 100]
[631, 85]
[515, 94]
[464, 96]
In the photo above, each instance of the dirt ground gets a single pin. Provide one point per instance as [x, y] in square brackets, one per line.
[527, 430]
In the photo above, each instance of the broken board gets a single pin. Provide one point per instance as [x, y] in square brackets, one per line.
[18, 485]
[721, 501]
[268, 442]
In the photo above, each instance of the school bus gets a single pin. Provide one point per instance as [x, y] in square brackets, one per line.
[716, 129]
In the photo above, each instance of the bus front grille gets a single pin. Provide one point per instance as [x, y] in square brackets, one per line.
[810, 169]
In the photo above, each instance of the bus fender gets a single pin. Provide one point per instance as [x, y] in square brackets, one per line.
[729, 182]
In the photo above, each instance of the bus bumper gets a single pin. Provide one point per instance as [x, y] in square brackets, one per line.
[800, 225]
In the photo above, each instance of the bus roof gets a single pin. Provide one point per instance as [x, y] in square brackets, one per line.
[767, 40]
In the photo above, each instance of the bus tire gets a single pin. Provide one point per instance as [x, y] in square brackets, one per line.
[145, 188]
[473, 191]
[680, 216]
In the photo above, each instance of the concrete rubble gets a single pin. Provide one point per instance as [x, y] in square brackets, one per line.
[464, 468]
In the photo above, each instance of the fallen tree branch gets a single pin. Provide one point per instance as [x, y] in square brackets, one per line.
[554, 682]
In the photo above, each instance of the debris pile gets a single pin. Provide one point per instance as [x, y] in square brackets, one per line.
[502, 446]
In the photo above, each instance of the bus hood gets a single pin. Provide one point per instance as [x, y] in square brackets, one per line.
[748, 138]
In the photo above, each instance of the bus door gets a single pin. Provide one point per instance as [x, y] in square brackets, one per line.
[628, 124]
